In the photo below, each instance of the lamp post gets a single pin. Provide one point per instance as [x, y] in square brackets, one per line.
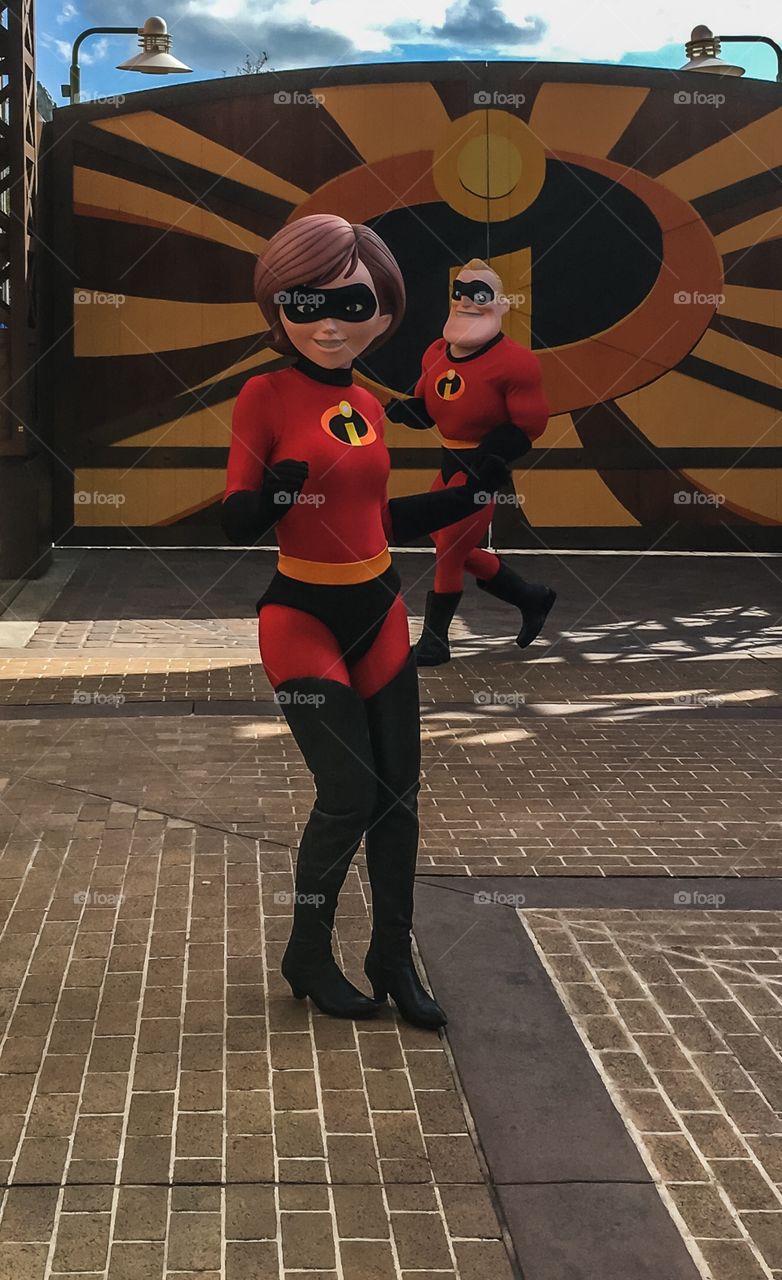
[703, 50]
[155, 57]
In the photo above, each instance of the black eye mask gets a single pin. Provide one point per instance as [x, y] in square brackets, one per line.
[478, 291]
[307, 303]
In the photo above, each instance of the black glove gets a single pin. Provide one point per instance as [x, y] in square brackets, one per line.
[506, 441]
[411, 413]
[487, 473]
[249, 515]
[282, 484]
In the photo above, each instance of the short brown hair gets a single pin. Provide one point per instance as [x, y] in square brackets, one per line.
[315, 250]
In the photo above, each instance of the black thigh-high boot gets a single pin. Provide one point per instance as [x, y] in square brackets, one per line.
[533, 599]
[392, 846]
[329, 724]
[433, 648]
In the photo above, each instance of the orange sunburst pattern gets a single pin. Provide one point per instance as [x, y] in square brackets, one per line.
[642, 261]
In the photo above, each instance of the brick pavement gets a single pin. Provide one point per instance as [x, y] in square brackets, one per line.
[500, 794]
[168, 1111]
[682, 1013]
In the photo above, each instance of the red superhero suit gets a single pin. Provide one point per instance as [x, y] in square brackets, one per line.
[307, 456]
[488, 400]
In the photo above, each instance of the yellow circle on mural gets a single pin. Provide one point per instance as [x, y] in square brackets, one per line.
[488, 165]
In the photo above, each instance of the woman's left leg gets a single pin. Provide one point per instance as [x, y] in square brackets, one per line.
[388, 681]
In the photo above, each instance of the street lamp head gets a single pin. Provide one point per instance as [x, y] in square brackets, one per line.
[155, 58]
[703, 50]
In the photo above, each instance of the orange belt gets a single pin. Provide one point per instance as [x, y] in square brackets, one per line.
[335, 574]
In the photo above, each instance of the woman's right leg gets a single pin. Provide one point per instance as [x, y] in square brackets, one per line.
[328, 720]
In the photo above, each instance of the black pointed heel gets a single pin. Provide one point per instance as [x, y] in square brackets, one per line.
[396, 975]
[327, 987]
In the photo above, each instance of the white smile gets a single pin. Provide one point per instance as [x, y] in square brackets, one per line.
[329, 344]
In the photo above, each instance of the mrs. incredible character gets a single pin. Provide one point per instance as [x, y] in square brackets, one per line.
[307, 456]
[484, 393]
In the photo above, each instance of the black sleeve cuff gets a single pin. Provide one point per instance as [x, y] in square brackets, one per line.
[421, 513]
[507, 441]
[411, 413]
[248, 516]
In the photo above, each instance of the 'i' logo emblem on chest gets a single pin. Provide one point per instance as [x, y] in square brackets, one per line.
[450, 385]
[344, 423]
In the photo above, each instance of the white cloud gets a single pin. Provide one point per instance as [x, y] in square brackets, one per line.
[93, 52]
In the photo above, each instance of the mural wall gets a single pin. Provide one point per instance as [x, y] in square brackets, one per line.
[636, 223]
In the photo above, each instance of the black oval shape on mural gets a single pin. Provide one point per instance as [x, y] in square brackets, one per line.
[596, 253]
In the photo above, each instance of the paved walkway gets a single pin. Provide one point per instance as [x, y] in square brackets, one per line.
[169, 1111]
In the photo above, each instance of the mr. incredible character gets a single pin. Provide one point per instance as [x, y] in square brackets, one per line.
[484, 394]
[307, 456]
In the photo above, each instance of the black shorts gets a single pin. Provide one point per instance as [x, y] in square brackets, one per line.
[354, 613]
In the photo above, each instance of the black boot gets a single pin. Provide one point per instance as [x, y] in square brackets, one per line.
[534, 600]
[329, 724]
[392, 846]
[433, 649]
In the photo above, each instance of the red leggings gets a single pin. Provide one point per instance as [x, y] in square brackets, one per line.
[457, 545]
[294, 644]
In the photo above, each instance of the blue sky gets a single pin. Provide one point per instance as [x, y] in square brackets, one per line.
[216, 36]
